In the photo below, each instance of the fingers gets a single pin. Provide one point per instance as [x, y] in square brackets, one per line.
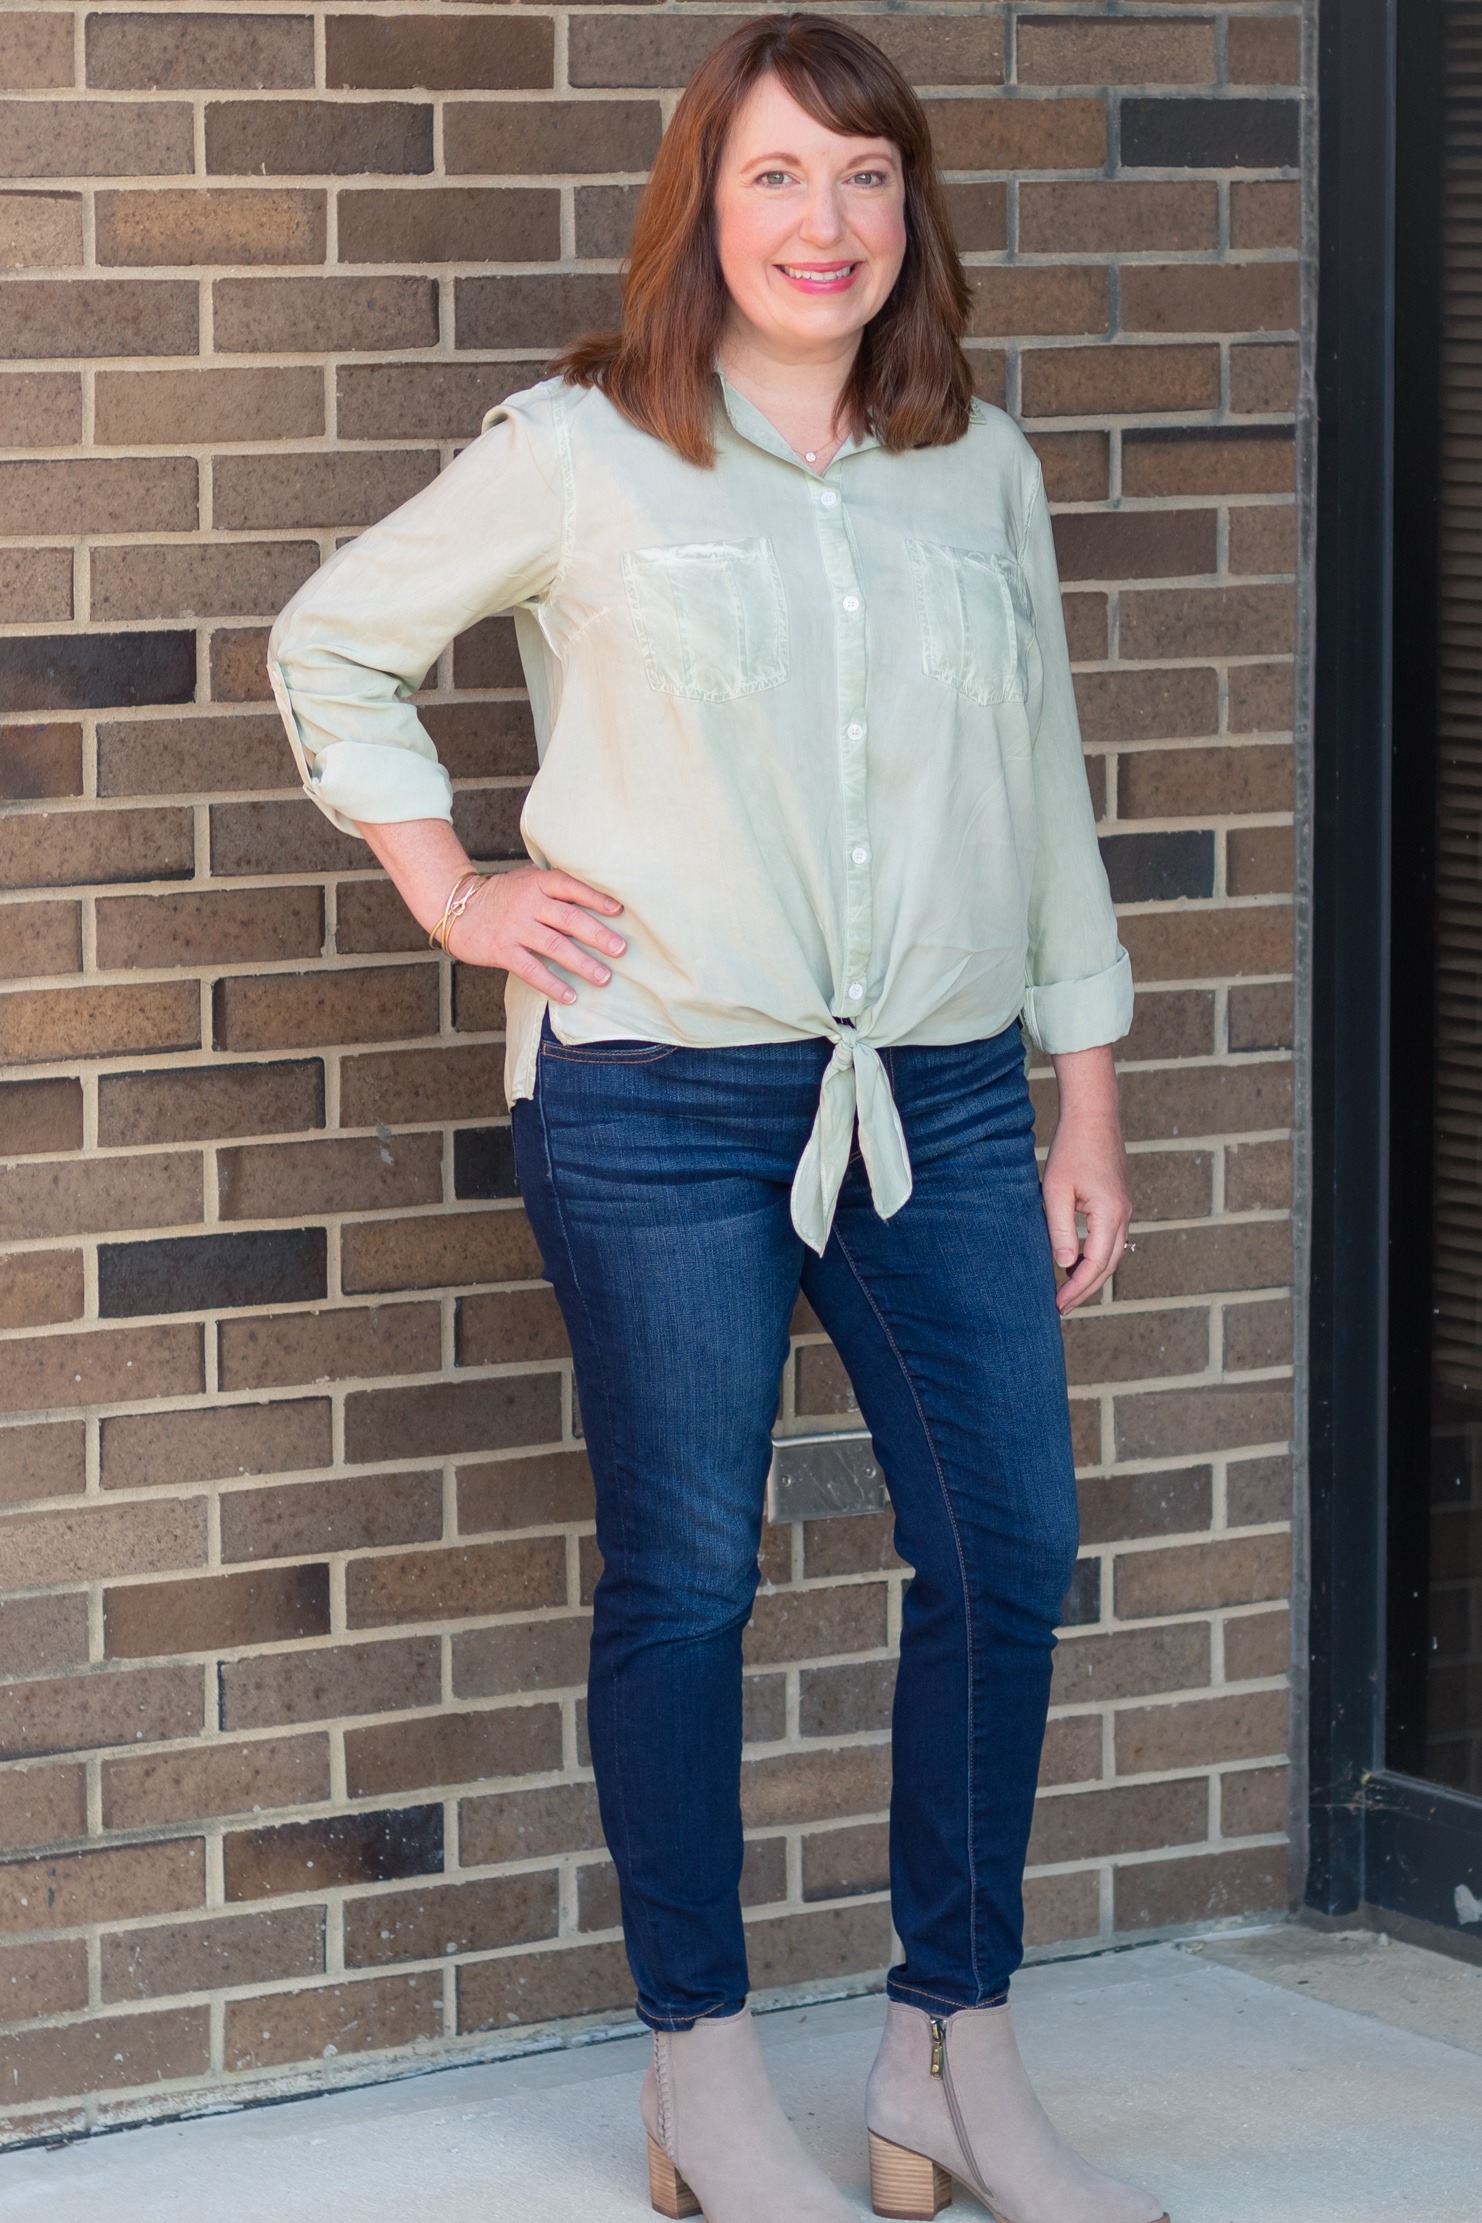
[544, 941]
[564, 886]
[1059, 1197]
[581, 926]
[526, 967]
[1106, 1235]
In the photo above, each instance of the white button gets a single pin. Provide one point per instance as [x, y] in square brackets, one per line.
[828, 497]
[856, 990]
[855, 731]
[851, 601]
[860, 856]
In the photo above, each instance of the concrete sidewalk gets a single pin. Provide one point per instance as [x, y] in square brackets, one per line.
[1247, 2080]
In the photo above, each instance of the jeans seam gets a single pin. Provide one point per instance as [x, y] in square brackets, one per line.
[967, 1603]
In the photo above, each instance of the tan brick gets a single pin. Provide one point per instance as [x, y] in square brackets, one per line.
[282, 1522]
[526, 1656]
[278, 1351]
[530, 1987]
[214, 1779]
[1191, 1578]
[257, 492]
[470, 1245]
[112, 2053]
[100, 316]
[36, 584]
[1013, 300]
[451, 53]
[42, 1806]
[1261, 694]
[228, 579]
[99, 495]
[214, 1442]
[1264, 539]
[1267, 213]
[38, 51]
[310, 2025]
[38, 940]
[1097, 217]
[816, 1786]
[79, 1713]
[1194, 783]
[1253, 1802]
[318, 138]
[1079, 1825]
[1130, 1663]
[82, 1544]
[550, 136]
[146, 1620]
[38, 409]
[170, 1957]
[1111, 1347]
[281, 1012]
[1264, 50]
[1258, 1176]
[305, 316]
[802, 1624]
[1061, 1907]
[555, 1487]
[316, 1685]
[399, 1756]
[44, 1460]
[99, 1366]
[210, 226]
[48, 1978]
[1210, 944]
[179, 53]
[238, 665]
[1119, 380]
[1263, 379]
[524, 1825]
[167, 407]
[41, 1287]
[88, 138]
[862, 1545]
[439, 1919]
[1259, 1643]
[103, 1886]
[1154, 1894]
[1193, 1732]
[1070, 50]
[38, 1635]
[455, 1582]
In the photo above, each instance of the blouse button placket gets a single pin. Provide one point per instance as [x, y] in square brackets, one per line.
[851, 662]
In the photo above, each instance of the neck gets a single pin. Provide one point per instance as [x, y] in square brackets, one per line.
[805, 388]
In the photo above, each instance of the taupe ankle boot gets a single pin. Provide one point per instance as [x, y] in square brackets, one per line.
[718, 2141]
[949, 2097]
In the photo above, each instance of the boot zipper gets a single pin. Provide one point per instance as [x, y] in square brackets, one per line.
[941, 2068]
[938, 2041]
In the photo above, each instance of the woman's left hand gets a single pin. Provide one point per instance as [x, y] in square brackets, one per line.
[1086, 1172]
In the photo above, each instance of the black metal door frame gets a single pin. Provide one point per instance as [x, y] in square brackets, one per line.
[1379, 1841]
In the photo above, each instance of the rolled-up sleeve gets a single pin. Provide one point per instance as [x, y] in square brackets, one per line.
[360, 636]
[1078, 992]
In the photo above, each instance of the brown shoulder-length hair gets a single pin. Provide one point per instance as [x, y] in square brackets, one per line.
[910, 382]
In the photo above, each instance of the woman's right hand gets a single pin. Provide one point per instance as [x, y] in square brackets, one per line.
[517, 919]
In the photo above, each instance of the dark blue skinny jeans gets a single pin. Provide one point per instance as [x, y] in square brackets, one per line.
[657, 1181]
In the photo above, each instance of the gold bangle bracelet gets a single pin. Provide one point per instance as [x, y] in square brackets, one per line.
[460, 895]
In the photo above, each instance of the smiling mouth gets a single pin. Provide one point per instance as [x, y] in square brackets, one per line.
[822, 280]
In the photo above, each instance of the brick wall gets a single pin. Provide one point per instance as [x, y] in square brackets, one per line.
[297, 1535]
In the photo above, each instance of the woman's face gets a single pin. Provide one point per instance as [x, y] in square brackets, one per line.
[811, 227]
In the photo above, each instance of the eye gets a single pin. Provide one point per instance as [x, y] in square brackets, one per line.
[870, 177]
[774, 177]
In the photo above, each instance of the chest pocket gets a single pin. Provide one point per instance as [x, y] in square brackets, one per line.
[976, 620]
[711, 617]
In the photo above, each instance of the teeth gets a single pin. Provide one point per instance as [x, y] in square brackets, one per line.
[818, 277]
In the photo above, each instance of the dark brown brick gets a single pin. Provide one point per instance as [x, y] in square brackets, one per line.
[1077, 1825]
[282, 1012]
[36, 585]
[1190, 1261]
[1209, 944]
[42, 1805]
[547, 1490]
[1258, 1490]
[829, 1942]
[1193, 1578]
[193, 755]
[1253, 1802]
[210, 226]
[1195, 1732]
[451, 1748]
[48, 1978]
[525, 137]
[530, 1987]
[300, 1180]
[314, 1685]
[216, 1613]
[1155, 1894]
[1263, 379]
[858, 1546]
[39, 1635]
[478, 993]
[437, 1250]
[978, 213]
[1264, 538]
[1147, 706]
[1119, 380]
[1175, 1422]
[456, 1581]
[1257, 1643]
[802, 1624]
[41, 761]
[194, 1105]
[39, 409]
[503, 1329]
[541, 312]
[310, 2025]
[1166, 1502]
[42, 1460]
[99, 1366]
[1266, 213]
[1131, 1663]
[100, 316]
[257, 492]
[524, 1825]
[528, 1656]
[1060, 1908]
[843, 1863]
[1080, 50]
[100, 139]
[1259, 860]
[1264, 50]
[1072, 1750]
[839, 1701]
[1262, 1018]
[1018, 134]
[40, 1117]
[41, 1287]
[1116, 1347]
[41, 941]
[166, 407]
[1136, 544]
[1200, 1100]
[1008, 300]
[416, 1087]
[215, 1442]
[304, 316]
[248, 927]
[1208, 621]
[113, 2052]
[238, 664]
[64, 848]
[180, 53]
[816, 1786]
[1076, 465]
[1224, 459]
[425, 401]
[318, 138]
[278, 1351]
[214, 1778]
[109, 1885]
[279, 837]
[1194, 783]
[1210, 297]
[1096, 217]
[449, 224]
[38, 51]
[170, 1957]
[280, 1523]
[228, 579]
[449, 53]
[1261, 694]
[464, 1918]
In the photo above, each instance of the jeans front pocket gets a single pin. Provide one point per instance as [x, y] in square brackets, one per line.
[976, 620]
[711, 617]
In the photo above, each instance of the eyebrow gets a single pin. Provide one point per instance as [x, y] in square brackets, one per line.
[752, 160]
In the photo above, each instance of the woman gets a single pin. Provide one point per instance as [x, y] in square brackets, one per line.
[811, 838]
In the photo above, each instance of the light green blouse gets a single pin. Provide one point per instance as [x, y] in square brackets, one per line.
[816, 732]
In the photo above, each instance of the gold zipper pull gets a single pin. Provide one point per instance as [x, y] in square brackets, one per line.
[938, 2041]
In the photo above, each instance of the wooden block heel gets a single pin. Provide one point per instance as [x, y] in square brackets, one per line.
[667, 2191]
[906, 2185]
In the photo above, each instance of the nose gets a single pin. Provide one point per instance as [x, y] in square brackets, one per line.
[823, 220]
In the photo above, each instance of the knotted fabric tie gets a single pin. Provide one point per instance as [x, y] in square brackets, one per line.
[854, 1082]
